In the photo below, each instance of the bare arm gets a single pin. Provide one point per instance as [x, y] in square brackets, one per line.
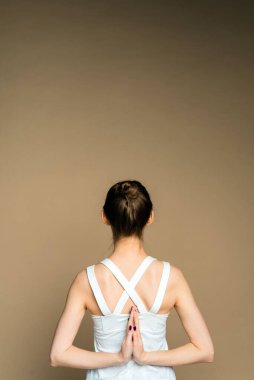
[200, 348]
[63, 352]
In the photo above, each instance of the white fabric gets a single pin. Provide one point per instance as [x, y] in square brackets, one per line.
[96, 290]
[110, 328]
[133, 282]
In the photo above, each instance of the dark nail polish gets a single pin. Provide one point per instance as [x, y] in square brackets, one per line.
[130, 327]
[134, 328]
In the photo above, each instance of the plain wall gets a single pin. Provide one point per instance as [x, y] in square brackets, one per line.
[93, 92]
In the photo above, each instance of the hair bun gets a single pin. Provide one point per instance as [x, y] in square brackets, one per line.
[127, 207]
[123, 189]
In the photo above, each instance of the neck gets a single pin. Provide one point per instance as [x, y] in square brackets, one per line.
[129, 248]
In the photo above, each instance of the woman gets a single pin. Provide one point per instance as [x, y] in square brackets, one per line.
[130, 295]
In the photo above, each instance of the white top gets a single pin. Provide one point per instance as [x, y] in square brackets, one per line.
[110, 328]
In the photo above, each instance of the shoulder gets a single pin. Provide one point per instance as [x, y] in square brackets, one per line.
[80, 286]
[180, 285]
[80, 282]
[176, 276]
[175, 273]
[82, 276]
[177, 285]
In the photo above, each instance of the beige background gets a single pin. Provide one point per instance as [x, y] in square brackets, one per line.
[93, 92]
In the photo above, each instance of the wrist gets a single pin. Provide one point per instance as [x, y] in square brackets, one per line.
[121, 358]
[142, 359]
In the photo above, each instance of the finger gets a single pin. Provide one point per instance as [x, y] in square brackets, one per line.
[135, 318]
[136, 330]
[131, 325]
[130, 322]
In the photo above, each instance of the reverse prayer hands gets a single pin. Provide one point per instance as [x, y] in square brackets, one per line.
[132, 346]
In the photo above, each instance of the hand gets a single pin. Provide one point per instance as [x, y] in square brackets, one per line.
[138, 352]
[127, 345]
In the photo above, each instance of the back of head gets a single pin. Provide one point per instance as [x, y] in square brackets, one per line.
[127, 208]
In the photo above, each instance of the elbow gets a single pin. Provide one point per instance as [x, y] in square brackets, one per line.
[53, 361]
[57, 358]
[209, 356]
[205, 355]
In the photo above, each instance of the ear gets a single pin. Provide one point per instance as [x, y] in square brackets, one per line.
[104, 218]
[151, 218]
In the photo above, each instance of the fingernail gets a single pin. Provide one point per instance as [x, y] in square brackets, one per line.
[130, 327]
[134, 328]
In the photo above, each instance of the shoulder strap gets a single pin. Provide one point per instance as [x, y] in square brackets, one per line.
[162, 287]
[97, 291]
[134, 280]
[125, 284]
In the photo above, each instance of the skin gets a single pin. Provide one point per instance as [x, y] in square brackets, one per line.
[178, 295]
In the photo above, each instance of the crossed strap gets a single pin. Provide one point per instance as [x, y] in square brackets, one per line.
[128, 286]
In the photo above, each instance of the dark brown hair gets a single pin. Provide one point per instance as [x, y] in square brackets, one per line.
[127, 208]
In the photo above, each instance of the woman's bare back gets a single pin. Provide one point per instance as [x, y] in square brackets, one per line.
[147, 287]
